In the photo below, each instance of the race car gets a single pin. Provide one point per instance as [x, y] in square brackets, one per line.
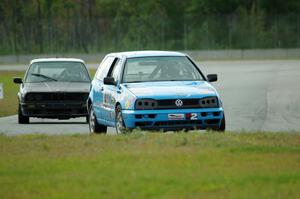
[153, 90]
[53, 88]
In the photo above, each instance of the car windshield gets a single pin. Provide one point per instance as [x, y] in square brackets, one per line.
[57, 71]
[147, 69]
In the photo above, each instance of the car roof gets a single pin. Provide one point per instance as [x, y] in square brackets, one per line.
[56, 60]
[146, 53]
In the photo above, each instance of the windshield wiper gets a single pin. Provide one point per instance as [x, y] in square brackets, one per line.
[44, 76]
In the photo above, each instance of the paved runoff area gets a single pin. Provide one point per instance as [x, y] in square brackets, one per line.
[257, 96]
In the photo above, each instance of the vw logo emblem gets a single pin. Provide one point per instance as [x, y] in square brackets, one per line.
[179, 102]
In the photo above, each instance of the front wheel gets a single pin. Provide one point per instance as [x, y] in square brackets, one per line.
[119, 122]
[21, 118]
[94, 126]
[223, 125]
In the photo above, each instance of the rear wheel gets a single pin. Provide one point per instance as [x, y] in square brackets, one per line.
[21, 118]
[94, 126]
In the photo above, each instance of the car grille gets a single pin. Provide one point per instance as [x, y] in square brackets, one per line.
[186, 103]
[55, 112]
[51, 97]
[170, 104]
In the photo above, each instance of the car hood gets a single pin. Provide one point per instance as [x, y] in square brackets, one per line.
[57, 87]
[171, 89]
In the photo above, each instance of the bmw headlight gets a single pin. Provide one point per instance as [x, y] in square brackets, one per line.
[144, 104]
[209, 102]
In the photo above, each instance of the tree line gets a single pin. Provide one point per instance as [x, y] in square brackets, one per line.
[51, 26]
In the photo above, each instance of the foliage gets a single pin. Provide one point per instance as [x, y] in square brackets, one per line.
[52, 26]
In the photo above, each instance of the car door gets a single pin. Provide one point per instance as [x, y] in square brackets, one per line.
[97, 86]
[111, 92]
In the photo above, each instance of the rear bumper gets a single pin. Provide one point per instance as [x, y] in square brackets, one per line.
[63, 110]
[160, 119]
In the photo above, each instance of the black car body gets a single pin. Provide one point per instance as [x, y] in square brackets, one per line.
[54, 88]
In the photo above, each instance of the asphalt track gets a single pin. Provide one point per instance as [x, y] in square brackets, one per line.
[257, 96]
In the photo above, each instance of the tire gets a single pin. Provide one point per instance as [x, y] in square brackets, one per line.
[223, 125]
[119, 122]
[94, 126]
[221, 128]
[21, 118]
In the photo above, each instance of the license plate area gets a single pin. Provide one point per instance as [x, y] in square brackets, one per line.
[176, 116]
[182, 116]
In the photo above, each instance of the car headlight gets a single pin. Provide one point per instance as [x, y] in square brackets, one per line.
[209, 102]
[142, 104]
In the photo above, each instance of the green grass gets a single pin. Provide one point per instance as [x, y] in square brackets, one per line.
[151, 165]
[9, 105]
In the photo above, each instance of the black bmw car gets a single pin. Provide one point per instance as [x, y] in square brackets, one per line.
[53, 88]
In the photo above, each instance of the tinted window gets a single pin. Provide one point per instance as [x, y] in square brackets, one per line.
[57, 71]
[145, 69]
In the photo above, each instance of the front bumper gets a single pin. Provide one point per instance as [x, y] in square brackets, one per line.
[203, 118]
[61, 110]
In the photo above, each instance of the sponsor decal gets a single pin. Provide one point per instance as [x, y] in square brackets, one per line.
[176, 116]
[108, 100]
[191, 116]
[129, 102]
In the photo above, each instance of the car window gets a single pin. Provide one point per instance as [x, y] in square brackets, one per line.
[143, 69]
[114, 70]
[104, 67]
[62, 71]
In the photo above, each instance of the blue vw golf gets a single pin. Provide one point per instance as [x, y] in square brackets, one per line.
[155, 90]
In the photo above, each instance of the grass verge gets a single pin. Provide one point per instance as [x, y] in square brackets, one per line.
[9, 105]
[151, 165]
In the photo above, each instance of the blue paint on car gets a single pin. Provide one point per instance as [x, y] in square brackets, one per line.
[155, 90]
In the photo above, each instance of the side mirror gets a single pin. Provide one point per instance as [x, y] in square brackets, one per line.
[18, 80]
[109, 81]
[212, 77]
